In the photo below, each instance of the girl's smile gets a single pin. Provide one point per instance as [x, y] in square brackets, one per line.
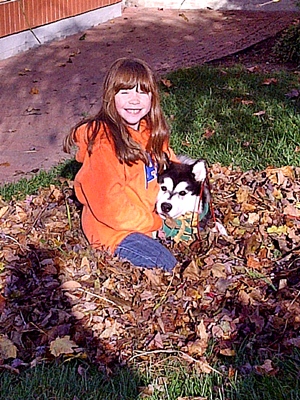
[132, 105]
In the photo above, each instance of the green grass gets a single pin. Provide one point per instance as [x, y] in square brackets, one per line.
[224, 101]
[68, 381]
[19, 190]
[167, 378]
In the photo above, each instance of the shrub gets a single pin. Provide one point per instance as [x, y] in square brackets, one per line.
[287, 46]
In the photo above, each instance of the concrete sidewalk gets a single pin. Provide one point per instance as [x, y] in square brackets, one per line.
[46, 90]
[220, 5]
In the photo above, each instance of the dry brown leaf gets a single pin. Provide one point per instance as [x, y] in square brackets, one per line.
[166, 82]
[154, 277]
[3, 211]
[70, 285]
[192, 271]
[267, 368]
[198, 347]
[62, 345]
[184, 17]
[7, 348]
[255, 68]
[228, 352]
[242, 194]
[259, 113]
[34, 90]
[270, 81]
[253, 262]
[208, 133]
[156, 342]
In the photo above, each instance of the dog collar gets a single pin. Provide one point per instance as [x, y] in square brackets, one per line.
[184, 228]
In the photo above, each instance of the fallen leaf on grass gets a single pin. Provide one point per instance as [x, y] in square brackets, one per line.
[255, 68]
[228, 352]
[259, 113]
[62, 345]
[247, 102]
[7, 348]
[266, 368]
[208, 133]
[166, 82]
[270, 81]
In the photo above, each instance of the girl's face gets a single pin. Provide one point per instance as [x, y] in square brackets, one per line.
[132, 105]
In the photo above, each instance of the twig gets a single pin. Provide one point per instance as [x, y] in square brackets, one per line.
[179, 352]
[293, 301]
[68, 214]
[163, 297]
[101, 298]
[5, 236]
[268, 2]
[39, 329]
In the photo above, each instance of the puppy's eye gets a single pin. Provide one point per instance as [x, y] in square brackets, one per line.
[182, 193]
[164, 188]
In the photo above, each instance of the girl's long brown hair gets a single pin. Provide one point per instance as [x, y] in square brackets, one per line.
[126, 73]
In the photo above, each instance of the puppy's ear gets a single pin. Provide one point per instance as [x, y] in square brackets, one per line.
[185, 159]
[199, 170]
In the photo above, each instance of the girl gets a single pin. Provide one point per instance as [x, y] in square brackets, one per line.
[121, 150]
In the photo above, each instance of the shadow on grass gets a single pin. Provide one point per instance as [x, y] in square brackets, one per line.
[69, 169]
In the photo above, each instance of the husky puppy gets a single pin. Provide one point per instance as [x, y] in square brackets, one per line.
[181, 185]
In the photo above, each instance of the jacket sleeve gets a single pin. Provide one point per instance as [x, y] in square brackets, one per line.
[101, 185]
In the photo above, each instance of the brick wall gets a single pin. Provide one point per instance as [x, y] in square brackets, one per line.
[20, 15]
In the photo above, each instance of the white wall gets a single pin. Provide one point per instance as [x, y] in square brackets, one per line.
[12, 44]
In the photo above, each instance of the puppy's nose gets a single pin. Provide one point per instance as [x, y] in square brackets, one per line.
[166, 207]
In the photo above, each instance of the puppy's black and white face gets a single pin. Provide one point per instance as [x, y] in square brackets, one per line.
[180, 187]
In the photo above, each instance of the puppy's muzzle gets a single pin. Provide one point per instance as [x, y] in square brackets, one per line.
[166, 207]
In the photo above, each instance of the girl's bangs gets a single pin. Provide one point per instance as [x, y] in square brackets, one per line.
[128, 78]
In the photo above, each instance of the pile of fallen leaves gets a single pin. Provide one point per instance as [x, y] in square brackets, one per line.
[60, 298]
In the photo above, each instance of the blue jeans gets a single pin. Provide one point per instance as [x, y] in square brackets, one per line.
[143, 251]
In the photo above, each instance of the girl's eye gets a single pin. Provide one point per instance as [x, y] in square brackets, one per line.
[164, 188]
[182, 193]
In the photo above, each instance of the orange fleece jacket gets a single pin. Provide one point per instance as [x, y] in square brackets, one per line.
[117, 199]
